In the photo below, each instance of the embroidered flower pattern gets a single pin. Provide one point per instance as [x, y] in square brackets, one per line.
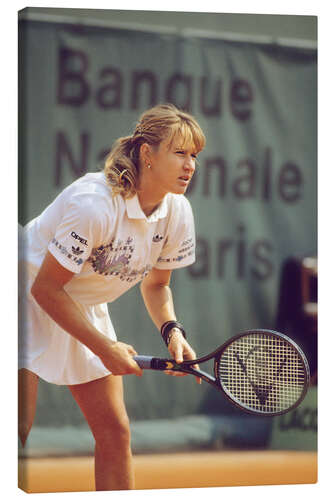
[114, 260]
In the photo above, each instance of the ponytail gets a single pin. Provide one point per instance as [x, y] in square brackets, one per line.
[122, 167]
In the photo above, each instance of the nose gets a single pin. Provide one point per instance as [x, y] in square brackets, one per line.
[189, 163]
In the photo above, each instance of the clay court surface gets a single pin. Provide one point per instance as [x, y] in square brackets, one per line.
[184, 470]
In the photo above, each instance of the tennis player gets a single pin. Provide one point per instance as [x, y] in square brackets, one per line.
[103, 234]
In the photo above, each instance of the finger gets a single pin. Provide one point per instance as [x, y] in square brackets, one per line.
[179, 355]
[198, 379]
[131, 350]
[175, 373]
[136, 369]
[189, 355]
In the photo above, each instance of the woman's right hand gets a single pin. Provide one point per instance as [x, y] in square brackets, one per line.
[118, 358]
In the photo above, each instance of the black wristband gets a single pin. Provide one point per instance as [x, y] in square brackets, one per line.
[167, 327]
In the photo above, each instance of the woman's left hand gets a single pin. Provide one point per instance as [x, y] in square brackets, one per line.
[180, 350]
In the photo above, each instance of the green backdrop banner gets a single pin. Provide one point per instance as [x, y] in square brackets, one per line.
[253, 195]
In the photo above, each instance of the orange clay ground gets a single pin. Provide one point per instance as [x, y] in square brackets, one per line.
[178, 470]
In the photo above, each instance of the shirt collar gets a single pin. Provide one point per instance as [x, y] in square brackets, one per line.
[134, 210]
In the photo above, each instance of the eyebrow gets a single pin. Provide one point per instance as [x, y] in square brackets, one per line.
[184, 147]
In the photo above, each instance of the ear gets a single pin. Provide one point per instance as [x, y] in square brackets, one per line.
[145, 152]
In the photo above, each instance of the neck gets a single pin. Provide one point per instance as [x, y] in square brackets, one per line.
[150, 195]
[149, 202]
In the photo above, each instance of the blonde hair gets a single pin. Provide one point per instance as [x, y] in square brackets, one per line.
[161, 122]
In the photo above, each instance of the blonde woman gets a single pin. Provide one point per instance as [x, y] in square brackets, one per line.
[103, 234]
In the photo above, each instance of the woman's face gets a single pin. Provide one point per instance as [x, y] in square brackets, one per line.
[172, 167]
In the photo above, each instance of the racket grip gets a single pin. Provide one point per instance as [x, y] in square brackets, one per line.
[144, 362]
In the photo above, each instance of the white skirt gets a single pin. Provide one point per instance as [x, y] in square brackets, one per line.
[49, 351]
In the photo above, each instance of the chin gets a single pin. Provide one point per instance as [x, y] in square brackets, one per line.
[179, 190]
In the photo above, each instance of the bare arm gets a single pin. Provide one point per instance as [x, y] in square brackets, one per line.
[157, 296]
[49, 293]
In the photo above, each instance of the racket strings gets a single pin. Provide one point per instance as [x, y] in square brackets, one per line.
[262, 372]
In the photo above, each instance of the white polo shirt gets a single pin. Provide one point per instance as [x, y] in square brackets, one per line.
[110, 245]
[108, 242]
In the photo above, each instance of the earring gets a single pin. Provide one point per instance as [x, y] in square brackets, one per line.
[148, 166]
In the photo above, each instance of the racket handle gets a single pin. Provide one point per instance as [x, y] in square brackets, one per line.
[152, 363]
[144, 362]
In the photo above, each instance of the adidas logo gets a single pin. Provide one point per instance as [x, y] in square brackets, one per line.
[77, 250]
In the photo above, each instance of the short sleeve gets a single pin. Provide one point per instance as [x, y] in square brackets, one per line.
[77, 234]
[179, 248]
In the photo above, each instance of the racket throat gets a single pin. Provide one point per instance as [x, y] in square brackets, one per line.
[207, 377]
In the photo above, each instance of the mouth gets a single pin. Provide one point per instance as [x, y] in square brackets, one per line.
[185, 178]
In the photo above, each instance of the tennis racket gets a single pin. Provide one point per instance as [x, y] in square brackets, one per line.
[260, 371]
